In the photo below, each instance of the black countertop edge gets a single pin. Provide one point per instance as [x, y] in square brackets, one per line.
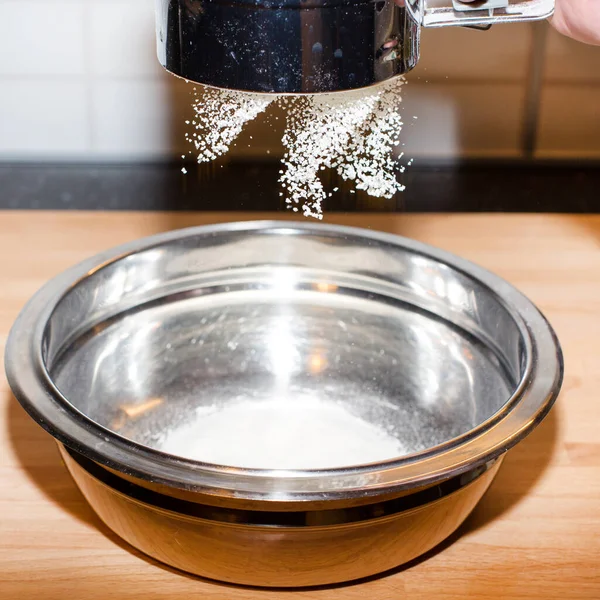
[431, 186]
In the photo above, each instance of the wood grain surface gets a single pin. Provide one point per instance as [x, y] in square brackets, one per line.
[535, 534]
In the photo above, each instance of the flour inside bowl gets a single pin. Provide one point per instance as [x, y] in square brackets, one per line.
[279, 434]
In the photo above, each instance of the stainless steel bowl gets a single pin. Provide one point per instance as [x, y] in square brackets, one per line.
[444, 358]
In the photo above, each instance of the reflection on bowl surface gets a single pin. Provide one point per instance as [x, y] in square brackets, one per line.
[283, 404]
[378, 378]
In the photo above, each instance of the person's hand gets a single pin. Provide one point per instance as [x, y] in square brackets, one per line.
[577, 19]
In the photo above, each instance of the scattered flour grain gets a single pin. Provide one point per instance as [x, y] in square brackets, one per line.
[220, 116]
[352, 132]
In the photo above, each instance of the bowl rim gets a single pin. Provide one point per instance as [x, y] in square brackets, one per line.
[535, 394]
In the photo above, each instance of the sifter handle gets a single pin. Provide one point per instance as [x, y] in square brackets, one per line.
[447, 13]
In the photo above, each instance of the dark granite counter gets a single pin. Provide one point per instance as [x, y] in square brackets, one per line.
[473, 187]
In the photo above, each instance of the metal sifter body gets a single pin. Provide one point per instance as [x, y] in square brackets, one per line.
[312, 46]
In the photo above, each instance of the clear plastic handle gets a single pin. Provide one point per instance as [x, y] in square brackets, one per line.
[446, 13]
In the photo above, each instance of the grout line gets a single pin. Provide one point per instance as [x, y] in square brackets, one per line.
[89, 76]
[533, 89]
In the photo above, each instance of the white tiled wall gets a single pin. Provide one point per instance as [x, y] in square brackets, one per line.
[570, 122]
[43, 38]
[43, 117]
[464, 119]
[122, 43]
[79, 80]
[460, 54]
[468, 92]
[570, 103]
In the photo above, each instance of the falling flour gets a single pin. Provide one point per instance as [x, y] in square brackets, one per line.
[311, 434]
[353, 133]
[220, 116]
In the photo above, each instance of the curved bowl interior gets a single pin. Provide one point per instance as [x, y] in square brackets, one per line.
[315, 349]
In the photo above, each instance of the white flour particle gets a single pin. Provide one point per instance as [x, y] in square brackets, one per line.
[304, 433]
[353, 133]
[220, 118]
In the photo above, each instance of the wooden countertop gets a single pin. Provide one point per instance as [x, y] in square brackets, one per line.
[536, 533]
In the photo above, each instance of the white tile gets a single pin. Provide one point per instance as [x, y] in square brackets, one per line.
[568, 60]
[570, 122]
[147, 120]
[139, 119]
[472, 120]
[41, 38]
[500, 54]
[42, 119]
[123, 39]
